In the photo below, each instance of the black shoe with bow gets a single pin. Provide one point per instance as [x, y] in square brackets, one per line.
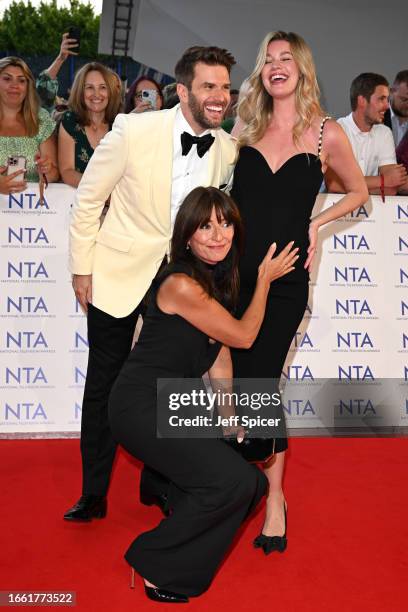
[271, 543]
[87, 508]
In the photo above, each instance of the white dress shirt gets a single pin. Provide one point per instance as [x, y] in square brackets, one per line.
[398, 129]
[371, 149]
[189, 171]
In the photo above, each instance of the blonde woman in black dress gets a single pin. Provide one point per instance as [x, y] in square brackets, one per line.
[285, 145]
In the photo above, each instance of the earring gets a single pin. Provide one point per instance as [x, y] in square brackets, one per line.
[187, 247]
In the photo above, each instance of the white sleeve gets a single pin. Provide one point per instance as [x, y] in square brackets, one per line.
[387, 149]
[104, 170]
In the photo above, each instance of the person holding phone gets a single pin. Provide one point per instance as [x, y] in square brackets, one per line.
[47, 81]
[145, 94]
[94, 102]
[26, 130]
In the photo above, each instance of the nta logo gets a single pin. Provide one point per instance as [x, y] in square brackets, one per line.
[353, 307]
[27, 235]
[350, 242]
[353, 274]
[26, 340]
[25, 411]
[26, 304]
[355, 372]
[28, 201]
[26, 269]
[354, 340]
[25, 375]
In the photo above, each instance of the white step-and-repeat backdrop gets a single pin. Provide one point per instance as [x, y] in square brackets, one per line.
[355, 328]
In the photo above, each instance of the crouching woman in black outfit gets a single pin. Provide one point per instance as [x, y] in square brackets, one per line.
[186, 332]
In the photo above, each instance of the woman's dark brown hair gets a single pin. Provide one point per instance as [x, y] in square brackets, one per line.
[222, 280]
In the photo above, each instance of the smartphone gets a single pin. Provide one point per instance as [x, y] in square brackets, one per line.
[74, 32]
[14, 163]
[150, 95]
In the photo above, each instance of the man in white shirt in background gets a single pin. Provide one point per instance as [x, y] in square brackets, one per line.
[371, 141]
[396, 117]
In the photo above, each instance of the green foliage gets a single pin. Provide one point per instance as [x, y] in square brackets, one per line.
[29, 30]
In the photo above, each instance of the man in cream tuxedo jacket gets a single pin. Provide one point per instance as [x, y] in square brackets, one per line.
[148, 163]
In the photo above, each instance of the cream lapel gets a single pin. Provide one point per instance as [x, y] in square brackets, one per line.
[215, 164]
[163, 170]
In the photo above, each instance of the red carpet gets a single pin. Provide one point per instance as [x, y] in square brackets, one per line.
[347, 532]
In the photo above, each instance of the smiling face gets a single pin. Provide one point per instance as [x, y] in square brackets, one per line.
[96, 94]
[280, 74]
[375, 108]
[13, 86]
[204, 104]
[212, 241]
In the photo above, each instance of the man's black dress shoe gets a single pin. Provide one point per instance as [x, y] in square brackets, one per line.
[160, 500]
[164, 596]
[87, 508]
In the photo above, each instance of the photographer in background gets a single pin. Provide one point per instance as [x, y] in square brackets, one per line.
[144, 94]
[25, 129]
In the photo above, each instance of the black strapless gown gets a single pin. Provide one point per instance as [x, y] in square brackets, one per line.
[275, 207]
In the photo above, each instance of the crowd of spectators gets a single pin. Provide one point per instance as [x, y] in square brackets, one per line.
[43, 135]
[373, 142]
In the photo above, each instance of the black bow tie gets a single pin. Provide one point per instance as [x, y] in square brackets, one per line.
[203, 143]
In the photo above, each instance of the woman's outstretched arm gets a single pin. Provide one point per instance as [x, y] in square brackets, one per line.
[181, 295]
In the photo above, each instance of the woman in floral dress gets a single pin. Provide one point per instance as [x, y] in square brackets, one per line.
[25, 128]
[94, 102]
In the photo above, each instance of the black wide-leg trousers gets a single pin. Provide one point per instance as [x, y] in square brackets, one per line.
[216, 489]
[110, 341]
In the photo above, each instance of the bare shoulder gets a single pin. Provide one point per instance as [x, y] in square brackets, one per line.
[333, 135]
[180, 287]
[178, 282]
[331, 127]
[317, 124]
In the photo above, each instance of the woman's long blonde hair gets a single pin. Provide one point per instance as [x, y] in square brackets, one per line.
[31, 103]
[256, 108]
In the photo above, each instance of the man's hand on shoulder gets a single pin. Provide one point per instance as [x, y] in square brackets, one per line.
[82, 285]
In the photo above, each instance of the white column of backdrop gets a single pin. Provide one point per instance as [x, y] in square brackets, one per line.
[355, 324]
[43, 334]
